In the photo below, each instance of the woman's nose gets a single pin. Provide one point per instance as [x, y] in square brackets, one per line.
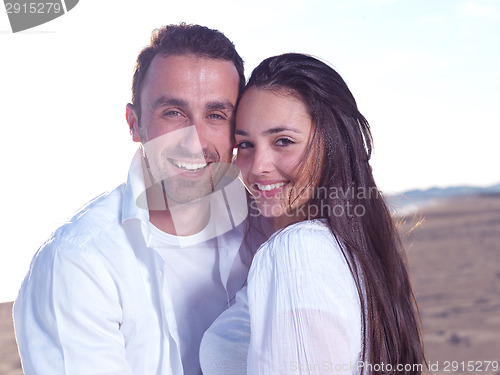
[262, 162]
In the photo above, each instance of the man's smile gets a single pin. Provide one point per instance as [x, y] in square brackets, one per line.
[188, 166]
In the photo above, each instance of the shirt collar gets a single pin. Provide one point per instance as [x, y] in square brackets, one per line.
[228, 207]
[134, 190]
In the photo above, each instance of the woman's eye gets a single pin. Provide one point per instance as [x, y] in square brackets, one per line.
[284, 142]
[243, 145]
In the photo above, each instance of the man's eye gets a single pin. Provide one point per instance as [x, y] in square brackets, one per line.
[172, 113]
[216, 116]
[243, 145]
[284, 142]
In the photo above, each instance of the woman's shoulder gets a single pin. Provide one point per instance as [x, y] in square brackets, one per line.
[301, 234]
[303, 229]
[304, 244]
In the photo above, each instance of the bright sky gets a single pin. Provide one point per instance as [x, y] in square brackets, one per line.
[424, 73]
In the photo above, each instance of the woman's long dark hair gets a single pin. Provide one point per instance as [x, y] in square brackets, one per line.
[356, 212]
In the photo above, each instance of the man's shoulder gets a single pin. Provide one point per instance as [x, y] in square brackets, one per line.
[84, 244]
[97, 216]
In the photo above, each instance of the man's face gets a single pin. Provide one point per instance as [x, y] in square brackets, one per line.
[185, 125]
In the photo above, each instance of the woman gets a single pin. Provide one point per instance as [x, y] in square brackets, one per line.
[329, 291]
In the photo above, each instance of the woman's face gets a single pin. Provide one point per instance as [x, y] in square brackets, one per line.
[273, 132]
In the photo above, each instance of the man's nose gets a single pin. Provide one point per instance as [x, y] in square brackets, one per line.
[190, 140]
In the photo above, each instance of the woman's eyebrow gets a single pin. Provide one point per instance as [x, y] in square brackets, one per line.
[269, 131]
[279, 130]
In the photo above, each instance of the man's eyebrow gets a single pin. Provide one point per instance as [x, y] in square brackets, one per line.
[220, 105]
[165, 101]
[268, 131]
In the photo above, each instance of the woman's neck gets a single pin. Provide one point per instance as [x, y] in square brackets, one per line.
[289, 218]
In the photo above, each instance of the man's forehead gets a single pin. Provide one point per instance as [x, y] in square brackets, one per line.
[181, 77]
[180, 66]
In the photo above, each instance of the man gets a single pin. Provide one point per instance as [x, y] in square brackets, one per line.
[130, 283]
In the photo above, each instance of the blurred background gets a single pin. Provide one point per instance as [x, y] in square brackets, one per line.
[424, 73]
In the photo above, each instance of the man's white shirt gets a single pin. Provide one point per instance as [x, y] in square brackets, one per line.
[101, 296]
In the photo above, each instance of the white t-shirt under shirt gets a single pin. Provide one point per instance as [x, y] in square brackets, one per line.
[198, 295]
[300, 312]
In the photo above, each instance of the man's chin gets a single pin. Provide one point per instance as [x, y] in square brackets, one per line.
[180, 194]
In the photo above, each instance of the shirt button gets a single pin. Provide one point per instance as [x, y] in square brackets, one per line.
[159, 273]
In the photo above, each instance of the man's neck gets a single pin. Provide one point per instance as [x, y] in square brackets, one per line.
[182, 219]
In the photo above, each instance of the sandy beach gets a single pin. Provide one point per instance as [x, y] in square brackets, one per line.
[9, 357]
[454, 257]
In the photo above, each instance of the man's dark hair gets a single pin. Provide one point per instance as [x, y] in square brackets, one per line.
[181, 40]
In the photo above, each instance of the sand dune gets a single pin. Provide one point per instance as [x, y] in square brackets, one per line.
[454, 256]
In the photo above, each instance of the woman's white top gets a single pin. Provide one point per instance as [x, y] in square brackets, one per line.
[299, 314]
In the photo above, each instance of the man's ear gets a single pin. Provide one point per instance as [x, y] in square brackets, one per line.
[133, 122]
